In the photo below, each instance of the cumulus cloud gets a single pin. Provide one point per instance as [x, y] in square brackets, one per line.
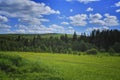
[96, 19]
[87, 1]
[83, 1]
[60, 29]
[4, 26]
[118, 10]
[65, 23]
[3, 19]
[117, 4]
[78, 20]
[33, 20]
[111, 20]
[26, 10]
[89, 9]
[97, 28]
[33, 29]
[25, 7]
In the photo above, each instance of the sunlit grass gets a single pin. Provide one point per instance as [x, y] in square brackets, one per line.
[72, 67]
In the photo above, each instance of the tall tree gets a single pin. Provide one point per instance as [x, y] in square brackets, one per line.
[74, 36]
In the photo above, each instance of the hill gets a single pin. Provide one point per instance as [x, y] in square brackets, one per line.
[31, 36]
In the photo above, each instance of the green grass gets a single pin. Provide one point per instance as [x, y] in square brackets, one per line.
[46, 66]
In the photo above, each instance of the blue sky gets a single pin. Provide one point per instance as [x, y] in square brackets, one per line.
[58, 16]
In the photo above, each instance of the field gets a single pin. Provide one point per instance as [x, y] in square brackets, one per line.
[46, 66]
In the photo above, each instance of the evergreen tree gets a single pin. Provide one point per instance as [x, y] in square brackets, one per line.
[74, 36]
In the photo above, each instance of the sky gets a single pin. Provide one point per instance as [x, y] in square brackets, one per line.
[58, 16]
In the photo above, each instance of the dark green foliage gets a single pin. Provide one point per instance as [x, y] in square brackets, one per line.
[111, 51]
[105, 39]
[116, 47]
[74, 36]
[15, 67]
[100, 40]
[92, 51]
[102, 50]
[10, 63]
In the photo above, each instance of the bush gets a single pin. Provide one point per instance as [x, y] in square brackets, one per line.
[111, 51]
[10, 63]
[92, 51]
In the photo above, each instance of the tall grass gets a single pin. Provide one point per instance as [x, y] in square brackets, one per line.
[14, 67]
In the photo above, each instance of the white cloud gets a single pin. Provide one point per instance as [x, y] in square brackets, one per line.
[56, 28]
[68, 0]
[20, 31]
[111, 20]
[65, 23]
[118, 10]
[3, 19]
[96, 28]
[26, 10]
[87, 1]
[83, 1]
[4, 26]
[32, 20]
[43, 29]
[78, 20]
[25, 7]
[89, 9]
[71, 10]
[117, 4]
[96, 19]
[70, 27]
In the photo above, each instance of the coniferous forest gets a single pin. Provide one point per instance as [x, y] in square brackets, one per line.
[102, 41]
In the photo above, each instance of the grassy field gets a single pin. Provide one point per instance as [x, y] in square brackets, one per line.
[46, 66]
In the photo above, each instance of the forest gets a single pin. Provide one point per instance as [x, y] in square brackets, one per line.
[102, 41]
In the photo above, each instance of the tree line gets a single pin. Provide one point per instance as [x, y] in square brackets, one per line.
[104, 41]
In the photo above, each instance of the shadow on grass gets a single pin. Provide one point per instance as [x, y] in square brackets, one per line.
[15, 67]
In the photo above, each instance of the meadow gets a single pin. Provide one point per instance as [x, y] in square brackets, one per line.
[48, 66]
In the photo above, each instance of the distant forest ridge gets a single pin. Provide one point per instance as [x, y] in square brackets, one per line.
[103, 41]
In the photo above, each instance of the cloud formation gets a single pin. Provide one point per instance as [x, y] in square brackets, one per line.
[3, 19]
[83, 1]
[89, 9]
[117, 4]
[101, 20]
[118, 10]
[78, 20]
[53, 28]
[26, 10]
[96, 19]
[110, 20]
[65, 23]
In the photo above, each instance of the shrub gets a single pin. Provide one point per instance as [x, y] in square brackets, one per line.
[92, 51]
[10, 63]
[111, 51]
